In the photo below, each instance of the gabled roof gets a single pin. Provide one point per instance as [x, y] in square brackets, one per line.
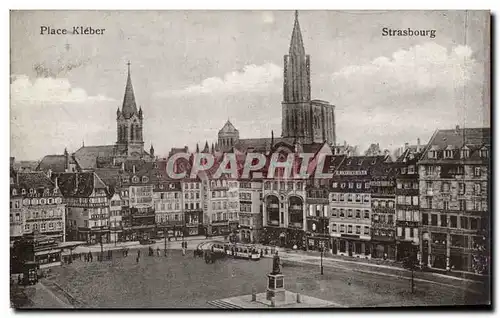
[261, 145]
[56, 163]
[79, 184]
[33, 180]
[473, 138]
[87, 156]
[228, 128]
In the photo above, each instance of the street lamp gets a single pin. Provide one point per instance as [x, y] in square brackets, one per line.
[322, 245]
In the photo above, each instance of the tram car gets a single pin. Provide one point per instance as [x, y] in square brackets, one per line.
[242, 251]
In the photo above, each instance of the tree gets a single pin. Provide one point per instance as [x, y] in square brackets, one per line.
[373, 150]
[411, 263]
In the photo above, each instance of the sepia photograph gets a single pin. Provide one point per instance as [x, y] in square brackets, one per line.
[250, 159]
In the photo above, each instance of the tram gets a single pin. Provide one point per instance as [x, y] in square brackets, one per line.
[242, 251]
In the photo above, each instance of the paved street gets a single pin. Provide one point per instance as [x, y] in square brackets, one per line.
[184, 281]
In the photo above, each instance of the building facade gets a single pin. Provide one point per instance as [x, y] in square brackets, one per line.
[36, 206]
[250, 216]
[87, 206]
[115, 218]
[454, 198]
[193, 207]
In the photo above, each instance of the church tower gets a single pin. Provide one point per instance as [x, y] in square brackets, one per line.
[296, 114]
[129, 142]
[307, 121]
[228, 136]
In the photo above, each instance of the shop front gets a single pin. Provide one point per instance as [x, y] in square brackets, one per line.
[352, 246]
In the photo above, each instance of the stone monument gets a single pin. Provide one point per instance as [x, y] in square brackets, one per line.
[276, 282]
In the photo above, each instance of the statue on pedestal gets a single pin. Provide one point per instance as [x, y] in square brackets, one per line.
[276, 264]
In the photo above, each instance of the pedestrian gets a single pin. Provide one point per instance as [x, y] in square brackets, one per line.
[158, 251]
[183, 251]
[19, 280]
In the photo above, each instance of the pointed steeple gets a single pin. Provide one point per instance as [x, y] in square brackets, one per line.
[197, 148]
[296, 43]
[206, 149]
[129, 107]
[152, 150]
[213, 148]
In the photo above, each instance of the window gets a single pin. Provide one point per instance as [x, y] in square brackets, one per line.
[448, 154]
[462, 204]
[334, 227]
[351, 185]
[342, 213]
[334, 212]
[358, 185]
[399, 185]
[390, 204]
[432, 154]
[366, 199]
[411, 169]
[446, 187]
[334, 185]
[477, 189]
[342, 228]
[407, 232]
[367, 214]
[416, 216]
[334, 197]
[358, 214]
[434, 220]
[135, 179]
[349, 229]
[349, 213]
[399, 232]
[358, 196]
[428, 202]
[342, 185]
[403, 170]
[453, 221]
[461, 188]
[26, 227]
[473, 224]
[358, 229]
[483, 153]
[349, 197]
[444, 220]
[341, 197]
[367, 230]
[464, 222]
[367, 185]
[446, 205]
[464, 153]
[425, 219]
[415, 200]
[477, 171]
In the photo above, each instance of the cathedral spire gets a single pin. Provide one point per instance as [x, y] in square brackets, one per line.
[129, 107]
[296, 43]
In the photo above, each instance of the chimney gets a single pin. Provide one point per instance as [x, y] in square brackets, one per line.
[76, 181]
[418, 144]
[345, 143]
[133, 169]
[457, 129]
[406, 145]
[123, 166]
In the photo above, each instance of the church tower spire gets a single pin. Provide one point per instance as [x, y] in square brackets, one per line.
[130, 123]
[129, 106]
[296, 112]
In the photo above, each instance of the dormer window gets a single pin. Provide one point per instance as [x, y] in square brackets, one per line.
[465, 153]
[432, 154]
[125, 180]
[23, 191]
[145, 179]
[14, 192]
[32, 191]
[55, 191]
[161, 186]
[135, 179]
[349, 162]
[46, 192]
[448, 154]
[483, 153]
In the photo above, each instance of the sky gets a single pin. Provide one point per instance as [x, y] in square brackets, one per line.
[193, 70]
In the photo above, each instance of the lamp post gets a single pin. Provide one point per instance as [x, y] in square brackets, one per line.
[322, 248]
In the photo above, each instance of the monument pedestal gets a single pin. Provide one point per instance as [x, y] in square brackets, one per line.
[276, 287]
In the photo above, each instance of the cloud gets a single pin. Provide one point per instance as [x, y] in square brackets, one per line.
[48, 90]
[421, 67]
[409, 94]
[253, 78]
[268, 17]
